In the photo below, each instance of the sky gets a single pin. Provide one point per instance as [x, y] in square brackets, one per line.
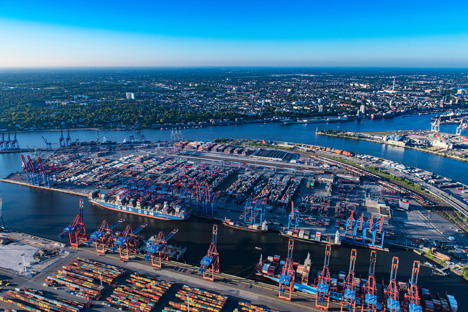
[431, 33]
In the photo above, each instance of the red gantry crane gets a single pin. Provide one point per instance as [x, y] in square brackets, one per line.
[158, 251]
[127, 242]
[412, 299]
[391, 294]
[76, 230]
[210, 262]
[287, 278]
[322, 300]
[348, 300]
[370, 289]
[101, 232]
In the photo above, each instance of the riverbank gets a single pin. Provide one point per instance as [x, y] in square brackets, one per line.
[359, 137]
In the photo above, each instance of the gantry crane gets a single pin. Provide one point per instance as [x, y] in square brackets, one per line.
[158, 250]
[205, 200]
[287, 278]
[33, 171]
[77, 229]
[68, 139]
[412, 300]
[62, 139]
[29, 174]
[370, 289]
[210, 262]
[293, 221]
[391, 294]
[48, 144]
[102, 231]
[127, 242]
[348, 300]
[2, 147]
[322, 300]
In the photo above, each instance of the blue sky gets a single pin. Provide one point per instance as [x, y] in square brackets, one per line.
[233, 33]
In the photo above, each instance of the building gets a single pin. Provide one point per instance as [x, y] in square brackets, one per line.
[130, 96]
[320, 108]
[362, 109]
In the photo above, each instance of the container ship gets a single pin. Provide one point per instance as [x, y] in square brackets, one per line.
[307, 237]
[350, 291]
[156, 208]
[263, 227]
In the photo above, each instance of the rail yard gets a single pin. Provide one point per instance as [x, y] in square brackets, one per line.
[305, 198]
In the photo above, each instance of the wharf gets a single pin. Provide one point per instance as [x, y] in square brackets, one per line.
[77, 193]
[236, 288]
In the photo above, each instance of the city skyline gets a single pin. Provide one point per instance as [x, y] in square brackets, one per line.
[299, 33]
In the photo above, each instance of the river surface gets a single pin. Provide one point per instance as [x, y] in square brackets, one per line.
[46, 213]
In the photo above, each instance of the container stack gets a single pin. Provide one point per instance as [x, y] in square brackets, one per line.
[33, 300]
[142, 295]
[85, 277]
[196, 300]
[245, 306]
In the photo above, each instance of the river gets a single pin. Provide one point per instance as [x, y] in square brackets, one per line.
[46, 213]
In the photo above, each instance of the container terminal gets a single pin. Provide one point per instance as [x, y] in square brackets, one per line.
[86, 276]
[307, 199]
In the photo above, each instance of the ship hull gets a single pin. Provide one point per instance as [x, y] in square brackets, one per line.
[310, 241]
[244, 228]
[140, 212]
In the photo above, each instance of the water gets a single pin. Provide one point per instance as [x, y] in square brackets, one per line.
[46, 213]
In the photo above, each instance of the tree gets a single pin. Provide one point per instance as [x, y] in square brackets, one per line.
[465, 272]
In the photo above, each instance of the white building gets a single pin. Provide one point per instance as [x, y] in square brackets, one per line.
[130, 96]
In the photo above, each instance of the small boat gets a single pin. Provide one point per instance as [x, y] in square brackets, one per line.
[258, 248]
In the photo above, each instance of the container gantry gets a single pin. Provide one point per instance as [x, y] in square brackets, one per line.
[322, 299]
[48, 144]
[348, 300]
[102, 231]
[205, 200]
[2, 142]
[127, 242]
[68, 139]
[7, 142]
[254, 212]
[210, 263]
[357, 231]
[34, 172]
[293, 221]
[29, 174]
[391, 300]
[14, 144]
[158, 251]
[62, 139]
[412, 300]
[76, 230]
[288, 274]
[370, 289]
[107, 238]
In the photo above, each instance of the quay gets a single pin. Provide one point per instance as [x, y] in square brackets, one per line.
[235, 288]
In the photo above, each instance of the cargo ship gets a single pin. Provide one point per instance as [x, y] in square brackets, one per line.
[307, 279]
[177, 210]
[263, 227]
[307, 237]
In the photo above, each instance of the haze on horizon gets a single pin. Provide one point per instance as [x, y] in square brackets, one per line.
[233, 33]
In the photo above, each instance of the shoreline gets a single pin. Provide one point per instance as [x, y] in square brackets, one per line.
[390, 144]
